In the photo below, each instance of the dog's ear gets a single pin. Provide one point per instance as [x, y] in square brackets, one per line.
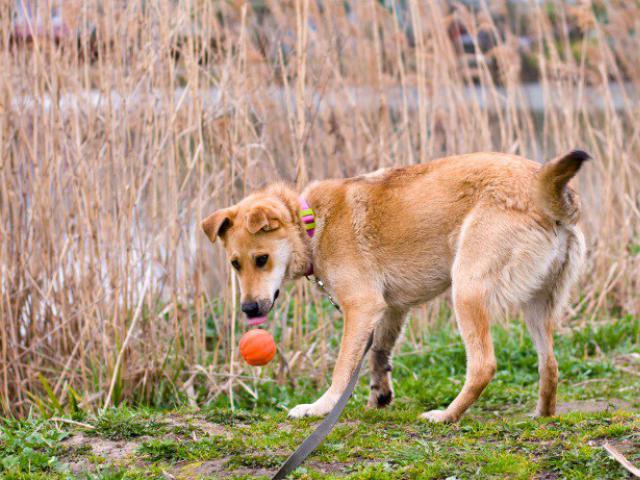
[216, 224]
[265, 217]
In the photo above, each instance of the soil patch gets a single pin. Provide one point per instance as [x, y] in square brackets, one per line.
[198, 424]
[114, 452]
[592, 406]
[218, 469]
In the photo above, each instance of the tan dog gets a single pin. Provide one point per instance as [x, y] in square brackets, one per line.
[499, 229]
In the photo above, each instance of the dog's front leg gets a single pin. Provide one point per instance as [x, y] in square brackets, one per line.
[359, 322]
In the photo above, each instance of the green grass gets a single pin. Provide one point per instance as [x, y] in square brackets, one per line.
[497, 438]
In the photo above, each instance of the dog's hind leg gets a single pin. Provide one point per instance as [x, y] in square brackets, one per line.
[506, 260]
[541, 314]
[384, 338]
[473, 319]
[540, 319]
[501, 257]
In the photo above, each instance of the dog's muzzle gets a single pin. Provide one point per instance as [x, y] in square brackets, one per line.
[257, 312]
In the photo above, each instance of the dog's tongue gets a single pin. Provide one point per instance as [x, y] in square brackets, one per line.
[255, 321]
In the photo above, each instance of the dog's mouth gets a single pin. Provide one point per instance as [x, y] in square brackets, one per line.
[255, 321]
[259, 320]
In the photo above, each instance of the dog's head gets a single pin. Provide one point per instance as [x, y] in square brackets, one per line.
[261, 241]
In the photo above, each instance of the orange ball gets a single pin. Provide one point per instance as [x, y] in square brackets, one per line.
[257, 347]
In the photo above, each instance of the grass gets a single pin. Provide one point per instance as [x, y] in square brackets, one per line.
[498, 438]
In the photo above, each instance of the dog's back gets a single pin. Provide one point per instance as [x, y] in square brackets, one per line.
[407, 222]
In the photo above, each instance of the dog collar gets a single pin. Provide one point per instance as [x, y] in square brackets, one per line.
[308, 219]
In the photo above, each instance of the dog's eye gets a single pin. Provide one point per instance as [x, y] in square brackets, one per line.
[261, 261]
[235, 264]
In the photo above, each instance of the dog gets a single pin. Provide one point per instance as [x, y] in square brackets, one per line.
[499, 229]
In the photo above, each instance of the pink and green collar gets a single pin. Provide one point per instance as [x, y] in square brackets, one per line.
[308, 219]
[307, 216]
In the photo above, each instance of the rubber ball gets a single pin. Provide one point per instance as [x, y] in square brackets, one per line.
[257, 347]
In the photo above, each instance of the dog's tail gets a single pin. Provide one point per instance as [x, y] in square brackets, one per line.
[551, 190]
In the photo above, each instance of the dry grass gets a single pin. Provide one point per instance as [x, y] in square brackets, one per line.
[112, 149]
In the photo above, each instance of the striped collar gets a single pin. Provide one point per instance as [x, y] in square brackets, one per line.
[307, 216]
[308, 219]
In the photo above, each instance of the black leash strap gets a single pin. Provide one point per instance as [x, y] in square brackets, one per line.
[321, 432]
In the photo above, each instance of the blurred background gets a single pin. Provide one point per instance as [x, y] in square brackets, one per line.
[124, 123]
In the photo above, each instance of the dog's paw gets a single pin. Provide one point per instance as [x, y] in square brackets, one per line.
[379, 399]
[544, 413]
[437, 416]
[307, 410]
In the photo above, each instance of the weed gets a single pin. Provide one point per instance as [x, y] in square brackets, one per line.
[123, 423]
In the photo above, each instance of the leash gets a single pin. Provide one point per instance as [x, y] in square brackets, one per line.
[319, 283]
[321, 432]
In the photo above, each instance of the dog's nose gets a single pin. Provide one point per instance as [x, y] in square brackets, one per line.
[251, 309]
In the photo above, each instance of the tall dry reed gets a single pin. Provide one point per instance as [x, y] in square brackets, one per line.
[112, 147]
